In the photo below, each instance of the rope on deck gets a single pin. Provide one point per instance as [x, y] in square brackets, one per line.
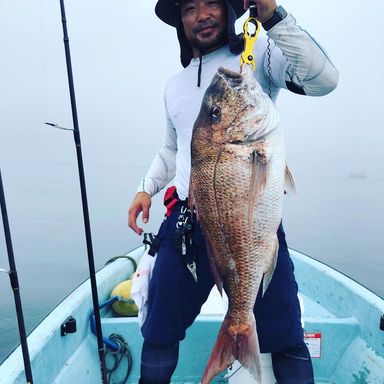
[130, 258]
[118, 358]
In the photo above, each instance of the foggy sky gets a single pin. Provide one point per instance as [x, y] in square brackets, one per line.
[122, 57]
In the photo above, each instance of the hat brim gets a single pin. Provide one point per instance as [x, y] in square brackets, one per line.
[168, 10]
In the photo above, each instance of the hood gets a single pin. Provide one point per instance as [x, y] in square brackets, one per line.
[168, 11]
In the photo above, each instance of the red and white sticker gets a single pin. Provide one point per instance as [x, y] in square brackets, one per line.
[313, 341]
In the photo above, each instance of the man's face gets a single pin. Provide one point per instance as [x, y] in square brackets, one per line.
[205, 24]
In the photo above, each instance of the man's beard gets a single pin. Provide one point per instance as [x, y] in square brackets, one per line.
[219, 40]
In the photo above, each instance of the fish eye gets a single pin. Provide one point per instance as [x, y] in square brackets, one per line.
[215, 112]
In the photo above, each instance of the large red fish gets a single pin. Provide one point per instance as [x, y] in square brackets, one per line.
[237, 188]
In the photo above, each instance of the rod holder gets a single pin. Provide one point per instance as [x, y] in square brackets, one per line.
[69, 326]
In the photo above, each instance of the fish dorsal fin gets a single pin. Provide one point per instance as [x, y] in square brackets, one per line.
[290, 184]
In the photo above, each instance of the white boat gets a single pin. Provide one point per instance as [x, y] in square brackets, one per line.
[342, 320]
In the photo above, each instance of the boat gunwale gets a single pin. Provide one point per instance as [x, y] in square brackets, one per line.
[60, 312]
[340, 276]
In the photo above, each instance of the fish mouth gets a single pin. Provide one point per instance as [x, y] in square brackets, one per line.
[241, 83]
[233, 78]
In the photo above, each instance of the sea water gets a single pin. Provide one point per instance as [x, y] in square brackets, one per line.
[336, 220]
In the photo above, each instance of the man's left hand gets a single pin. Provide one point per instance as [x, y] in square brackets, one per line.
[265, 8]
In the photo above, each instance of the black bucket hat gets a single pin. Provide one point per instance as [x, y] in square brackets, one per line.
[168, 11]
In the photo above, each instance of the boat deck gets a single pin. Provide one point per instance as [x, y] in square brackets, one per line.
[339, 345]
[341, 319]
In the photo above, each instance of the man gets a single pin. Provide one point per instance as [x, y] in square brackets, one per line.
[290, 58]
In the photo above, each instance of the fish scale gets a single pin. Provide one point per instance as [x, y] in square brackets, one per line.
[237, 188]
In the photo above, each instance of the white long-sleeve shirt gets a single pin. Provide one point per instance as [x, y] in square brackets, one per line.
[294, 57]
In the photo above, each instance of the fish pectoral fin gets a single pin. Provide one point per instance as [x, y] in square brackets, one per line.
[269, 273]
[290, 184]
[258, 178]
[260, 166]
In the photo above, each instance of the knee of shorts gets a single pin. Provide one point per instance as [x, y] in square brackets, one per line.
[158, 362]
[293, 365]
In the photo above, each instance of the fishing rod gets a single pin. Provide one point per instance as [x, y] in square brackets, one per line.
[15, 286]
[76, 136]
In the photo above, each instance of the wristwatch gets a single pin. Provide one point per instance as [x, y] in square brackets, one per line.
[279, 14]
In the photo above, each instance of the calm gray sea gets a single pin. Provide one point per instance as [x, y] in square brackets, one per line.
[334, 219]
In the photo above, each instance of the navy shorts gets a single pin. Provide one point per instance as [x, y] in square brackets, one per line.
[175, 299]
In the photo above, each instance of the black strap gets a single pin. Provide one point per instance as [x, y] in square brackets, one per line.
[200, 67]
[153, 242]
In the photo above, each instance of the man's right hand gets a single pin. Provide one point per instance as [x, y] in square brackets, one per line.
[141, 203]
[265, 8]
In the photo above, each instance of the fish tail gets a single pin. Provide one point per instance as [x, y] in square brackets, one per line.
[248, 350]
[234, 343]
